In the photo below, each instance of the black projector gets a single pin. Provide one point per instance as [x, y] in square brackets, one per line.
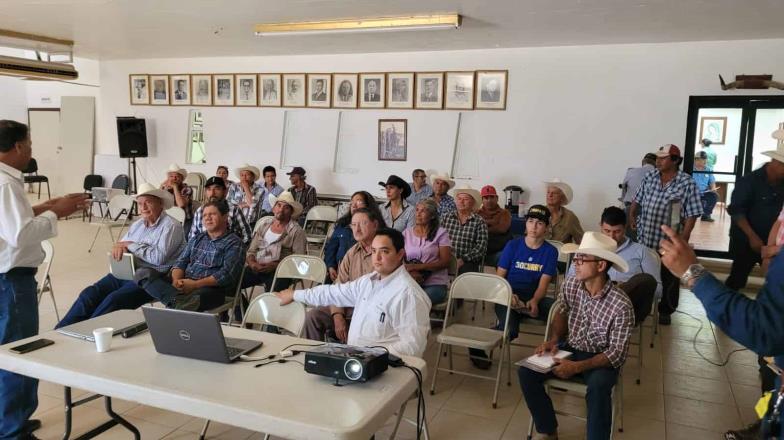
[346, 362]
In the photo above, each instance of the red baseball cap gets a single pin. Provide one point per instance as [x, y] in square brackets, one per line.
[488, 190]
[668, 150]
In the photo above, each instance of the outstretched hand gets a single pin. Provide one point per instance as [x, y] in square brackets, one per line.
[285, 296]
[676, 254]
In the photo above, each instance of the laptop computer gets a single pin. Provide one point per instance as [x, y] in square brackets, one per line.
[194, 335]
[123, 269]
[120, 321]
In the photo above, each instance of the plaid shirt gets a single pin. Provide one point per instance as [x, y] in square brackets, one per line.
[187, 193]
[446, 205]
[221, 258]
[236, 222]
[601, 324]
[469, 240]
[655, 202]
[305, 196]
[236, 196]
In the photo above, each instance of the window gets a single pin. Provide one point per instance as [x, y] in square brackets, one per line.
[196, 151]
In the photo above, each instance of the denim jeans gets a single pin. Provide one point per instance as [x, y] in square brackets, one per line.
[709, 200]
[515, 317]
[600, 382]
[436, 293]
[105, 296]
[18, 320]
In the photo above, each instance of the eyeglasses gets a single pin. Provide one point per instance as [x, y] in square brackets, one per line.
[356, 225]
[581, 259]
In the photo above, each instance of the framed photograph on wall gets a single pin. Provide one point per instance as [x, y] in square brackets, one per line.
[392, 143]
[491, 86]
[160, 89]
[223, 88]
[294, 90]
[319, 90]
[344, 90]
[180, 86]
[400, 90]
[371, 90]
[459, 94]
[139, 89]
[270, 90]
[713, 128]
[246, 90]
[430, 90]
[201, 89]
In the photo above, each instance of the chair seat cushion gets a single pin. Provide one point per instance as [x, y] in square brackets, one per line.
[471, 336]
[35, 179]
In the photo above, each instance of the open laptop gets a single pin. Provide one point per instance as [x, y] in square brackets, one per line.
[120, 321]
[194, 335]
[123, 269]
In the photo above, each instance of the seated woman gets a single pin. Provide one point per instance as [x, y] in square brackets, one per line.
[342, 237]
[428, 251]
[223, 173]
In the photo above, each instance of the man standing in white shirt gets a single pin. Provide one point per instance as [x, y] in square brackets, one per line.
[632, 181]
[22, 229]
[390, 309]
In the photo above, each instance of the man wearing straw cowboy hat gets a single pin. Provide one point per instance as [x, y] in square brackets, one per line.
[183, 194]
[467, 230]
[564, 224]
[246, 193]
[594, 323]
[441, 184]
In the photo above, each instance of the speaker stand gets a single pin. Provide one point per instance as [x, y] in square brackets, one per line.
[132, 183]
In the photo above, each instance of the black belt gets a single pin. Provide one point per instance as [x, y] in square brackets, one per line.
[21, 271]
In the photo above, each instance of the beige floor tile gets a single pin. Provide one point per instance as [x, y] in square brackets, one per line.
[635, 428]
[118, 405]
[747, 415]
[518, 424]
[475, 396]
[693, 366]
[651, 381]
[746, 395]
[680, 347]
[159, 416]
[216, 430]
[701, 414]
[148, 430]
[84, 419]
[45, 403]
[682, 432]
[644, 406]
[457, 426]
[743, 374]
[697, 388]
[685, 333]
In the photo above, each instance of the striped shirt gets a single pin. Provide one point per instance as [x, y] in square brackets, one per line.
[156, 246]
[446, 205]
[305, 196]
[656, 200]
[403, 221]
[236, 222]
[417, 196]
[469, 239]
[221, 258]
[236, 196]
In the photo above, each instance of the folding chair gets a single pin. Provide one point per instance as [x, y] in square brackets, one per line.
[562, 258]
[31, 176]
[118, 214]
[480, 287]
[46, 280]
[654, 309]
[323, 216]
[231, 302]
[178, 214]
[301, 268]
[644, 305]
[196, 182]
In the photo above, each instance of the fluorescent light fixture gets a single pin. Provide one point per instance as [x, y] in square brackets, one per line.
[352, 25]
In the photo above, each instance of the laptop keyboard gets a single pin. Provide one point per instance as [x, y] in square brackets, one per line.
[234, 351]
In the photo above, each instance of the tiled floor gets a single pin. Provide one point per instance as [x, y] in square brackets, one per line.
[681, 396]
[713, 236]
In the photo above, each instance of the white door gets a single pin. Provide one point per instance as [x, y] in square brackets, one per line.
[45, 134]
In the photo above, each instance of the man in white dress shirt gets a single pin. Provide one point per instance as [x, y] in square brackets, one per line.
[22, 229]
[390, 308]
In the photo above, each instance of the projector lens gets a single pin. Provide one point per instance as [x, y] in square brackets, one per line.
[352, 369]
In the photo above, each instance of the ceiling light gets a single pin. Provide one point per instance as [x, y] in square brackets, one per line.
[380, 24]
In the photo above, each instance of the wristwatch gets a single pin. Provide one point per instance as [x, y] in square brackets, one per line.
[692, 274]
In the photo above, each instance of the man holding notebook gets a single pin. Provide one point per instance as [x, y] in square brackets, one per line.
[593, 323]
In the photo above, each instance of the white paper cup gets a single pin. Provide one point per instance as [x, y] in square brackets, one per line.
[103, 338]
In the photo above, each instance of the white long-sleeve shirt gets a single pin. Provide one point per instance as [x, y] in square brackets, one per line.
[393, 312]
[21, 231]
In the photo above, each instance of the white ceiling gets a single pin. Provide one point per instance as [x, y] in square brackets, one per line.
[114, 29]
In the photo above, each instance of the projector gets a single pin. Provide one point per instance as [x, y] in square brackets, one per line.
[346, 362]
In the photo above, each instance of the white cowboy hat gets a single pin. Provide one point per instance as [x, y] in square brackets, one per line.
[778, 153]
[563, 186]
[146, 189]
[598, 245]
[445, 177]
[174, 168]
[288, 199]
[471, 192]
[250, 168]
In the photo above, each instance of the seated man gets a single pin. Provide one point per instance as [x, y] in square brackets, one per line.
[499, 224]
[303, 193]
[594, 323]
[441, 184]
[155, 240]
[183, 194]
[706, 185]
[467, 231]
[215, 190]
[246, 193]
[390, 309]
[332, 320]
[208, 269]
[276, 237]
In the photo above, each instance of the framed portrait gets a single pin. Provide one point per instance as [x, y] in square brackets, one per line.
[430, 90]
[180, 86]
[371, 90]
[247, 90]
[400, 90]
[201, 89]
[344, 90]
[392, 139]
[223, 90]
[294, 90]
[459, 93]
[491, 88]
[139, 89]
[270, 90]
[160, 89]
[319, 90]
[713, 128]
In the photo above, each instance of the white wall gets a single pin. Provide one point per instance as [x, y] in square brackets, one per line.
[584, 114]
[14, 99]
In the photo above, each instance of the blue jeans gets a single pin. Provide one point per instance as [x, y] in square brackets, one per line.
[105, 296]
[436, 293]
[515, 317]
[600, 382]
[18, 320]
[709, 200]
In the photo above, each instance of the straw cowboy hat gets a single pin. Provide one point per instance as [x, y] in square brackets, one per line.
[471, 192]
[250, 168]
[174, 168]
[598, 245]
[778, 153]
[146, 189]
[288, 199]
[563, 186]
[445, 177]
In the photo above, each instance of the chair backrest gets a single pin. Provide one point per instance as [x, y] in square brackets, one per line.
[120, 207]
[555, 308]
[177, 213]
[322, 213]
[48, 248]
[481, 286]
[655, 255]
[302, 267]
[92, 180]
[452, 269]
[122, 182]
[32, 167]
[562, 257]
[196, 182]
[265, 309]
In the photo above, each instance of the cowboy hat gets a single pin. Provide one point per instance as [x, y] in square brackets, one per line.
[146, 189]
[778, 153]
[288, 199]
[598, 245]
[445, 177]
[471, 192]
[174, 168]
[250, 168]
[563, 186]
[394, 180]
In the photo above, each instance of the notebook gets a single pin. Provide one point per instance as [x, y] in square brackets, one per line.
[543, 363]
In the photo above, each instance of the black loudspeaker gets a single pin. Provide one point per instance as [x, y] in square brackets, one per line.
[132, 137]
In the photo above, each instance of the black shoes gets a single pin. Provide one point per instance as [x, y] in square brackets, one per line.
[479, 359]
[751, 432]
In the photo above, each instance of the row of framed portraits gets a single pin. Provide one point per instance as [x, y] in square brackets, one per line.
[481, 89]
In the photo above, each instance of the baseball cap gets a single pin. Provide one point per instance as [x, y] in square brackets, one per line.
[215, 180]
[297, 170]
[488, 190]
[668, 150]
[539, 212]
[701, 155]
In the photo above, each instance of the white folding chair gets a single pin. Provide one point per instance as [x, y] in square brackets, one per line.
[178, 214]
[117, 215]
[654, 308]
[479, 287]
[46, 280]
[325, 216]
[562, 258]
[301, 268]
[231, 302]
[196, 182]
